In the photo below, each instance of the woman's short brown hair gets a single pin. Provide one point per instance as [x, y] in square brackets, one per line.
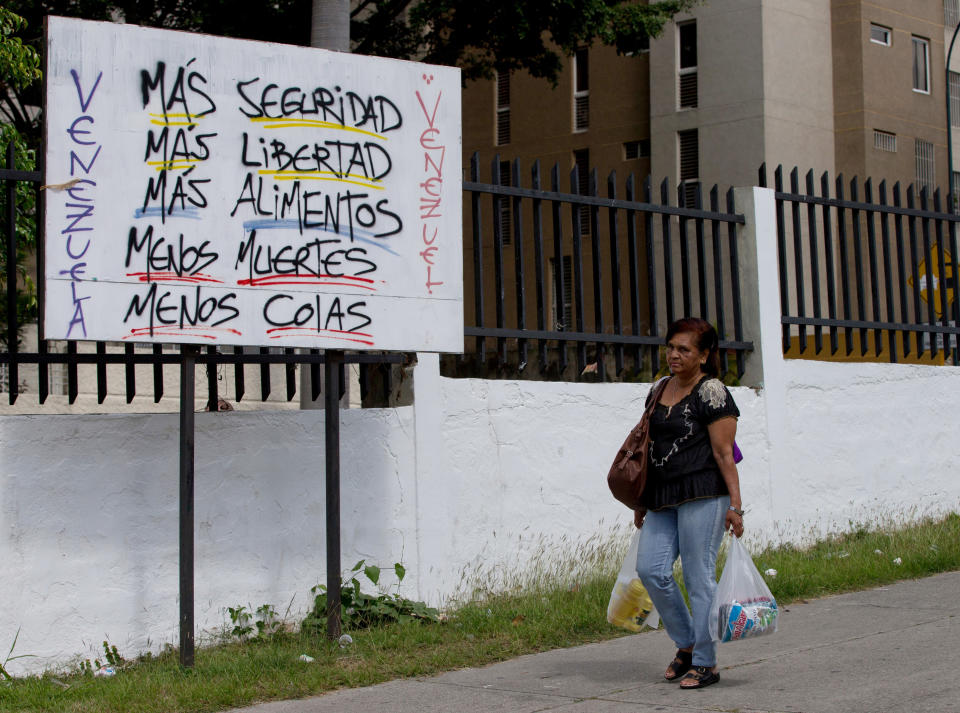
[705, 337]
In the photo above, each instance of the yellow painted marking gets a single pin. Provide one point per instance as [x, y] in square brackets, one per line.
[927, 294]
[312, 123]
[173, 165]
[317, 176]
[172, 123]
[170, 115]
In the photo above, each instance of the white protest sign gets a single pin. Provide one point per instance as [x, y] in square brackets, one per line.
[218, 191]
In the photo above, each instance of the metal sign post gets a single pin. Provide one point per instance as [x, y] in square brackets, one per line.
[331, 370]
[187, 368]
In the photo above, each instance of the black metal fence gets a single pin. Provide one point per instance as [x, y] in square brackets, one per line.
[878, 279]
[560, 285]
[586, 282]
[121, 361]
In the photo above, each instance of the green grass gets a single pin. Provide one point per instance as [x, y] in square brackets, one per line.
[539, 611]
[850, 561]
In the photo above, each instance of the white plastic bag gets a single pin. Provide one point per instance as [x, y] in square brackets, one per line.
[630, 607]
[743, 603]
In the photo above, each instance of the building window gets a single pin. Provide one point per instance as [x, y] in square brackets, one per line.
[562, 312]
[633, 150]
[921, 65]
[689, 144]
[954, 188]
[506, 179]
[954, 99]
[503, 108]
[880, 35]
[687, 94]
[581, 159]
[951, 12]
[884, 141]
[641, 45]
[923, 152]
[581, 90]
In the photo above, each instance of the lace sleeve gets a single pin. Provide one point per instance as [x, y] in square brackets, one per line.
[715, 401]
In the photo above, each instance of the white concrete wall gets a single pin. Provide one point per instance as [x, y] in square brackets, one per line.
[474, 480]
[861, 442]
[89, 519]
[495, 473]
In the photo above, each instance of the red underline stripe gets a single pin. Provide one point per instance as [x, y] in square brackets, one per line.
[157, 332]
[172, 331]
[172, 277]
[306, 280]
[320, 333]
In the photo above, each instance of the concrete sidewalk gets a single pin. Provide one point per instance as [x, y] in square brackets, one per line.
[887, 650]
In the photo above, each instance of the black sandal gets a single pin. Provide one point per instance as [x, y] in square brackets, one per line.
[682, 663]
[702, 675]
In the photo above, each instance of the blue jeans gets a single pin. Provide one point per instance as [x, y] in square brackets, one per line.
[693, 531]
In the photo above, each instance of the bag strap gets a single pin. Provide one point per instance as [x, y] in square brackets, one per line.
[648, 412]
[657, 393]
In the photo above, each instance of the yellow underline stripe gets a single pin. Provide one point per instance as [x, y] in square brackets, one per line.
[173, 165]
[172, 123]
[316, 176]
[314, 123]
[170, 115]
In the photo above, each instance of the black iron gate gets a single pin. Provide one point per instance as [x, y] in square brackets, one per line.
[560, 285]
[877, 278]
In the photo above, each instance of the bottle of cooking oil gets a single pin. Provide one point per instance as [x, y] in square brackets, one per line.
[629, 605]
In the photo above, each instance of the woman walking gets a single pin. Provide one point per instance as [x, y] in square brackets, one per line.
[692, 495]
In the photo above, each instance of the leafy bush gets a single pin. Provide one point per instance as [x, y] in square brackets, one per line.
[361, 610]
[266, 622]
[26, 236]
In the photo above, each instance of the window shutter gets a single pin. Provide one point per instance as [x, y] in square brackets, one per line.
[923, 152]
[581, 158]
[503, 108]
[951, 12]
[688, 90]
[506, 179]
[689, 164]
[884, 141]
[581, 112]
[581, 90]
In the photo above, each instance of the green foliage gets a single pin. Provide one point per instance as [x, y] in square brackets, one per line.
[19, 68]
[866, 555]
[263, 621]
[19, 71]
[361, 610]
[19, 63]
[240, 618]
[481, 36]
[4, 674]
[558, 601]
[26, 221]
[478, 36]
[110, 654]
[266, 621]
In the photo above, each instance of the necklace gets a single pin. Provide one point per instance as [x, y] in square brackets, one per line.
[677, 398]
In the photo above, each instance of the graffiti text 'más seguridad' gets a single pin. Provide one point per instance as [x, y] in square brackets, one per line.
[347, 108]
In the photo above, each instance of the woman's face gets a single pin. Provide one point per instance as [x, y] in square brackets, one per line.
[683, 356]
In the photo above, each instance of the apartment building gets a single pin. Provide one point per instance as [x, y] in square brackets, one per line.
[845, 86]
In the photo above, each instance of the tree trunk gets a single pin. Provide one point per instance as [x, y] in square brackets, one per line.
[330, 27]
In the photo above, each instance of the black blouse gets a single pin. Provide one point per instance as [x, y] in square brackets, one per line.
[682, 466]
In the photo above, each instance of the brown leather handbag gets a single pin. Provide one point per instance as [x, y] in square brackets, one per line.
[628, 474]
